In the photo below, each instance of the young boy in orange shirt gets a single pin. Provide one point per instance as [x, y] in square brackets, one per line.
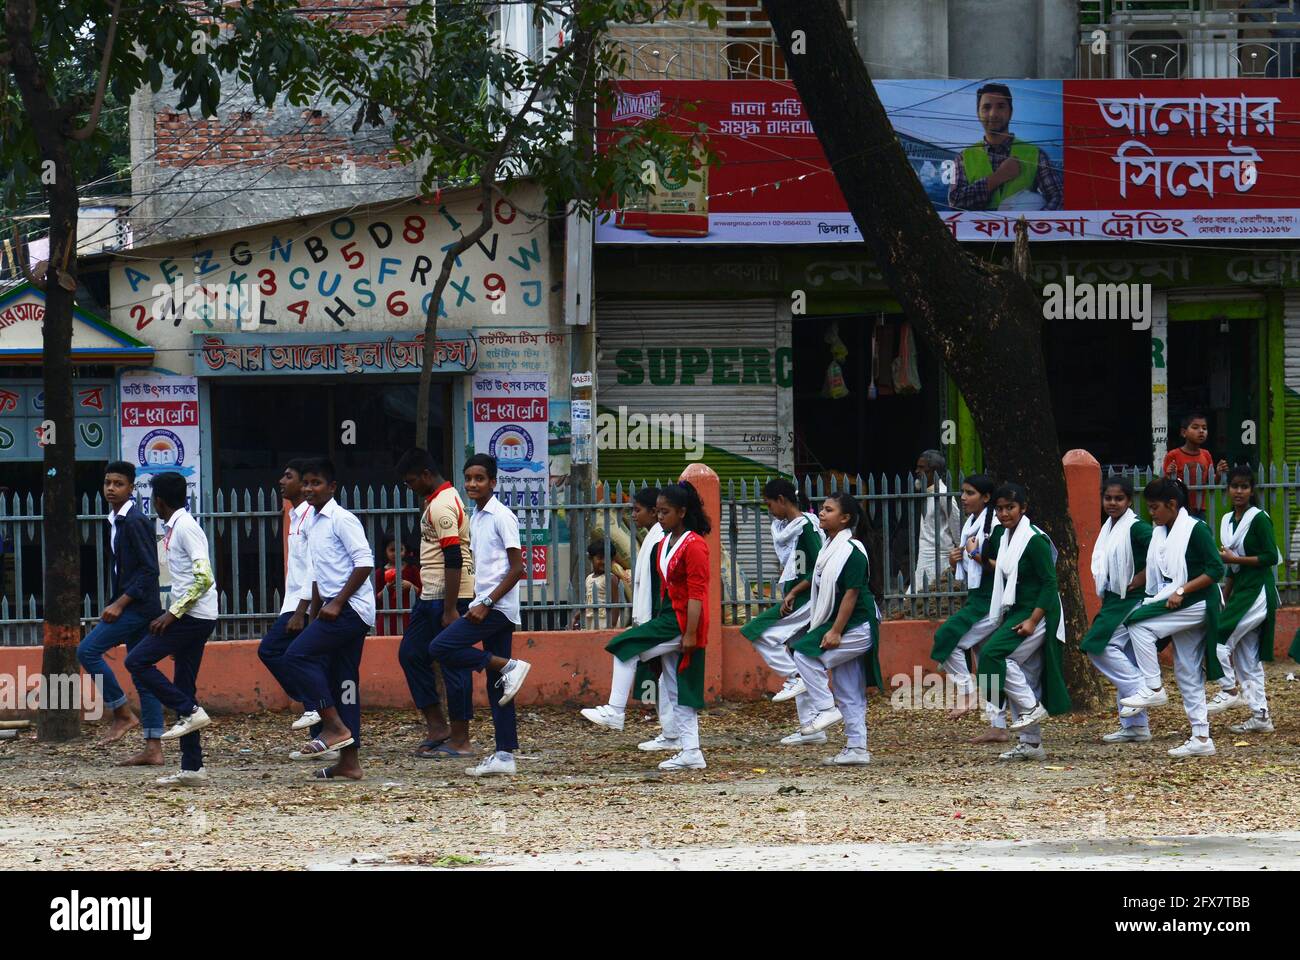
[1192, 463]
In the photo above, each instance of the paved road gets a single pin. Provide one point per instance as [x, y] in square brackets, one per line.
[1256, 851]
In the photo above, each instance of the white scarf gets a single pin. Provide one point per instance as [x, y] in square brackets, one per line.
[1006, 573]
[642, 596]
[1235, 541]
[666, 556]
[972, 571]
[785, 537]
[1167, 557]
[827, 570]
[1112, 555]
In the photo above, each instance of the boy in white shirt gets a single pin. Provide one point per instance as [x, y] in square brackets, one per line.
[182, 631]
[490, 620]
[323, 662]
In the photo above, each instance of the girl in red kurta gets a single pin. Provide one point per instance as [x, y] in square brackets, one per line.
[679, 631]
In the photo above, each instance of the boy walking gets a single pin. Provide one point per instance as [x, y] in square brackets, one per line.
[1192, 463]
[134, 548]
[490, 620]
[446, 588]
[323, 662]
[182, 631]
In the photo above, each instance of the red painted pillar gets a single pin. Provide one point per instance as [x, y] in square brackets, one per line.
[1083, 483]
[709, 487]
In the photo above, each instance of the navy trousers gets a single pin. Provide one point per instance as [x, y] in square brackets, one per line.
[271, 651]
[455, 649]
[414, 656]
[323, 663]
[183, 641]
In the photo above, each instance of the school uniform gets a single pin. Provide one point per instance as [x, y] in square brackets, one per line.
[798, 543]
[194, 604]
[1247, 622]
[1024, 671]
[297, 587]
[684, 576]
[494, 530]
[839, 677]
[133, 546]
[1176, 556]
[444, 524]
[970, 626]
[650, 683]
[1119, 555]
[324, 661]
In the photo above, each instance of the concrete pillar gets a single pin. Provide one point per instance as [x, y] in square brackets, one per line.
[1083, 487]
[1058, 39]
[903, 38]
[709, 487]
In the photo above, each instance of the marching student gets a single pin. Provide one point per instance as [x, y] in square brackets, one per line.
[1119, 572]
[1182, 603]
[134, 571]
[324, 661]
[446, 588]
[1022, 661]
[843, 632]
[182, 631]
[297, 591]
[677, 633]
[970, 626]
[1192, 463]
[798, 540]
[490, 620]
[1247, 621]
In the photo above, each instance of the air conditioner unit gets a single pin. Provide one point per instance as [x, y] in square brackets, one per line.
[1168, 46]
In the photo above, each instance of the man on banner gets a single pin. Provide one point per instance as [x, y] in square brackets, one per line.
[1000, 172]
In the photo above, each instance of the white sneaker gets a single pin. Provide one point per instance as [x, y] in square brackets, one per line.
[685, 760]
[512, 678]
[799, 737]
[494, 764]
[604, 716]
[1223, 700]
[1036, 715]
[1128, 735]
[1194, 748]
[848, 757]
[308, 719]
[1259, 722]
[659, 744]
[824, 719]
[793, 687]
[185, 778]
[1126, 712]
[1024, 751]
[195, 721]
[1146, 698]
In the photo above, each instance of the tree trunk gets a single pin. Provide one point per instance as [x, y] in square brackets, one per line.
[62, 574]
[984, 321]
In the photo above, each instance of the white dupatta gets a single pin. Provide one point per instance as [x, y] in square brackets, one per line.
[972, 571]
[1167, 557]
[829, 566]
[1006, 573]
[785, 537]
[642, 596]
[1234, 541]
[1112, 555]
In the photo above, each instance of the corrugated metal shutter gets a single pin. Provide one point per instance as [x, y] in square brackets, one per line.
[1291, 373]
[645, 340]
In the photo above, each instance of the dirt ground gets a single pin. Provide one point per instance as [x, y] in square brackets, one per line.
[580, 788]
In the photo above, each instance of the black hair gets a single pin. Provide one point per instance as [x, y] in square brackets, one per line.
[170, 488]
[298, 465]
[983, 483]
[321, 466]
[647, 497]
[683, 495]
[1013, 492]
[596, 549]
[1121, 481]
[865, 532]
[779, 487]
[1001, 89]
[1165, 489]
[1243, 471]
[417, 460]
[484, 460]
[121, 467]
[1194, 415]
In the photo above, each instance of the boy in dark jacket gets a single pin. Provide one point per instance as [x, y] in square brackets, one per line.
[134, 547]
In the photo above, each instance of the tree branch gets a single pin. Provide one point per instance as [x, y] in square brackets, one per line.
[86, 132]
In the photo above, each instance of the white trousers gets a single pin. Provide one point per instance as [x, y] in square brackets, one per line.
[686, 720]
[620, 687]
[1118, 665]
[1186, 626]
[956, 667]
[845, 688]
[1239, 657]
[772, 647]
[1024, 683]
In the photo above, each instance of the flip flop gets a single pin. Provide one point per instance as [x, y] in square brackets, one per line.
[427, 748]
[327, 755]
[318, 746]
[443, 750]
